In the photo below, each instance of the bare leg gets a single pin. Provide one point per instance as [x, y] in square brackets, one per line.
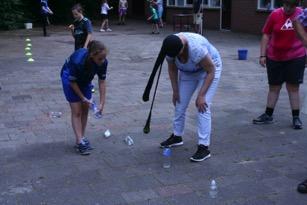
[76, 113]
[103, 24]
[294, 97]
[107, 23]
[157, 28]
[124, 19]
[84, 117]
[273, 95]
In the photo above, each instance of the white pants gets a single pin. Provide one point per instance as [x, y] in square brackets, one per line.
[188, 83]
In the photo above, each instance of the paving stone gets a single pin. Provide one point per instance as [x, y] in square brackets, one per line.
[145, 196]
[248, 161]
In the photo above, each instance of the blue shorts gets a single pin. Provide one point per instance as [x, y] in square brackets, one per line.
[70, 94]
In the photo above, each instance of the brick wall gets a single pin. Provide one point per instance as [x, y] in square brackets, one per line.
[245, 17]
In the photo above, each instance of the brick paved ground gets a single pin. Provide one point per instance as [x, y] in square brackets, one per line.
[253, 165]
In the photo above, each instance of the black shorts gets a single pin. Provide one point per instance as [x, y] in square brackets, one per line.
[104, 17]
[291, 71]
[154, 21]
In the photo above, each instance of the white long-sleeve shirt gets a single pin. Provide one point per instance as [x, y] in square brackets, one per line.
[105, 8]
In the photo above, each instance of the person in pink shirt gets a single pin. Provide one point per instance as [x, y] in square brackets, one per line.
[283, 55]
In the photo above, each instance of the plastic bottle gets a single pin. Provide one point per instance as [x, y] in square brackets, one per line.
[213, 189]
[56, 114]
[167, 153]
[94, 108]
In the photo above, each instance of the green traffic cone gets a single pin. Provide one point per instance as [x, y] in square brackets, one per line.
[30, 60]
[27, 48]
[29, 54]
[28, 40]
[29, 45]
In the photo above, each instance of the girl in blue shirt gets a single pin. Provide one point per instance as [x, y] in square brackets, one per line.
[77, 74]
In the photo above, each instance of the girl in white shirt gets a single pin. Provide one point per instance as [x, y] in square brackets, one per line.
[122, 11]
[104, 15]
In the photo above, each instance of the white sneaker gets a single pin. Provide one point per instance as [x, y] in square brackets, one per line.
[102, 30]
[109, 29]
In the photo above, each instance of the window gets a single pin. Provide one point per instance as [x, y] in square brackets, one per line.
[269, 4]
[171, 2]
[189, 3]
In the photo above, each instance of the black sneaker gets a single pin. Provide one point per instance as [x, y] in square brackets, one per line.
[263, 119]
[201, 154]
[297, 123]
[172, 141]
[88, 144]
[82, 149]
[302, 187]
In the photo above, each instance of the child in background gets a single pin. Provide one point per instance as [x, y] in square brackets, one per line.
[154, 18]
[81, 29]
[122, 11]
[104, 15]
[45, 12]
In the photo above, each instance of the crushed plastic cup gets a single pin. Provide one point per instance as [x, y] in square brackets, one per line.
[129, 141]
[107, 134]
[55, 114]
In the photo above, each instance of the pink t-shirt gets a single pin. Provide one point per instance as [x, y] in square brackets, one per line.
[284, 44]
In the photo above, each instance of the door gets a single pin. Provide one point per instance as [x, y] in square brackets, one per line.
[225, 14]
[138, 8]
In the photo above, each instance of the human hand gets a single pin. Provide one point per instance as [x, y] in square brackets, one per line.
[100, 108]
[262, 61]
[201, 104]
[71, 27]
[87, 101]
[176, 98]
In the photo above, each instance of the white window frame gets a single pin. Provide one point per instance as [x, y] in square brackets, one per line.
[272, 7]
[186, 5]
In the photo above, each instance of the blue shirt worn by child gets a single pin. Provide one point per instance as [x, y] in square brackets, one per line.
[81, 29]
[77, 70]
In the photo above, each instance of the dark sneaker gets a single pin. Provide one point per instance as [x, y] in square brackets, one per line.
[302, 187]
[172, 141]
[201, 154]
[88, 144]
[297, 123]
[82, 149]
[263, 119]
